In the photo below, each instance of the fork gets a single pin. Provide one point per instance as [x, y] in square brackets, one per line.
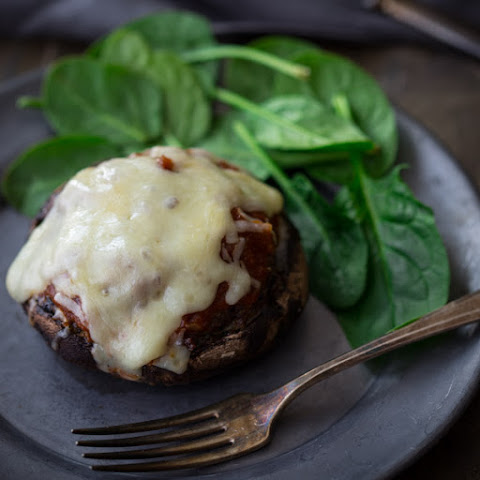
[243, 423]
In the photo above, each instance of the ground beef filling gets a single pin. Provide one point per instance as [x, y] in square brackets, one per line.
[258, 257]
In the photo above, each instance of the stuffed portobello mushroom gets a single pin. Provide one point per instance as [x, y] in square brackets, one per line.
[168, 266]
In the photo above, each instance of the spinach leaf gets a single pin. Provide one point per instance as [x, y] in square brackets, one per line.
[338, 262]
[408, 268]
[225, 143]
[332, 75]
[341, 106]
[174, 31]
[187, 109]
[308, 159]
[30, 180]
[255, 81]
[86, 97]
[123, 47]
[334, 243]
[287, 130]
[319, 127]
[327, 165]
[188, 113]
[29, 101]
[249, 54]
[323, 165]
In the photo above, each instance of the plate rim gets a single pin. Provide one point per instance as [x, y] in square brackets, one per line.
[472, 386]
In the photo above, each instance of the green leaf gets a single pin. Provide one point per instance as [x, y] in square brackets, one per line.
[188, 113]
[338, 261]
[30, 180]
[87, 97]
[175, 31]
[255, 81]
[249, 54]
[340, 104]
[285, 129]
[408, 271]
[225, 143]
[323, 165]
[327, 164]
[332, 75]
[319, 127]
[29, 101]
[126, 48]
[339, 171]
[334, 243]
[308, 159]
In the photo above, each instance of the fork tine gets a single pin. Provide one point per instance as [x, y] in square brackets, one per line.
[189, 417]
[193, 461]
[199, 430]
[209, 443]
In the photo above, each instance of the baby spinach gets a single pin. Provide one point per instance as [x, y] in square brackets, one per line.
[29, 181]
[29, 101]
[186, 98]
[334, 244]
[338, 264]
[285, 126]
[188, 112]
[319, 127]
[332, 75]
[374, 253]
[225, 143]
[341, 105]
[323, 165]
[87, 97]
[126, 48]
[264, 59]
[175, 31]
[255, 81]
[408, 268]
[308, 159]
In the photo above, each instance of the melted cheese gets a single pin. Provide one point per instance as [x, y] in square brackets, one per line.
[139, 246]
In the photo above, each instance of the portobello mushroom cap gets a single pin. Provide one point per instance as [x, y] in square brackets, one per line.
[221, 337]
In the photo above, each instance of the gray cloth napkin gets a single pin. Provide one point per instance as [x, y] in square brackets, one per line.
[338, 20]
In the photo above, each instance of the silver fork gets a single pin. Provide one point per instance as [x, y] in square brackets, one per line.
[243, 423]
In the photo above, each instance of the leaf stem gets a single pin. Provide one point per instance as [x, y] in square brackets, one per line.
[247, 53]
[29, 101]
[237, 101]
[341, 106]
[374, 221]
[171, 139]
[282, 179]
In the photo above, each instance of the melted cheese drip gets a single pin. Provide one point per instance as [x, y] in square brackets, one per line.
[140, 246]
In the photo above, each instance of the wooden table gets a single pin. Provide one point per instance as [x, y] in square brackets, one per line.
[439, 88]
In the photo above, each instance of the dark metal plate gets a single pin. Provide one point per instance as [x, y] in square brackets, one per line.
[362, 424]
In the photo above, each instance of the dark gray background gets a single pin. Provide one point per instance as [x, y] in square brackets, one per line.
[340, 20]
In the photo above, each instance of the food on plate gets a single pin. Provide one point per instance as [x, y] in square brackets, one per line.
[284, 109]
[165, 267]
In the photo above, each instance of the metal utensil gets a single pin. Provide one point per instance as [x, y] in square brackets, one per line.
[431, 23]
[243, 423]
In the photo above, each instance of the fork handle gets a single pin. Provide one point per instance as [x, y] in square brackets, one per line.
[459, 312]
[433, 24]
